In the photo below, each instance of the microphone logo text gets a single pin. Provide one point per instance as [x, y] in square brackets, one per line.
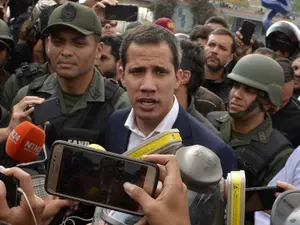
[14, 136]
[31, 147]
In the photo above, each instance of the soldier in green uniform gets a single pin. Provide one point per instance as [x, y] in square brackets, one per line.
[87, 99]
[7, 45]
[261, 151]
[27, 72]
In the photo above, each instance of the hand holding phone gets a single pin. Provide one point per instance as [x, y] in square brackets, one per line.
[97, 177]
[127, 13]
[172, 197]
[11, 185]
[46, 111]
[261, 198]
[23, 109]
[247, 31]
[21, 214]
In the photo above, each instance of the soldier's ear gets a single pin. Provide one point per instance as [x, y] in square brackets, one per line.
[268, 106]
[99, 50]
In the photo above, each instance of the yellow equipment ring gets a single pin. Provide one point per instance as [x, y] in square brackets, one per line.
[155, 145]
[236, 187]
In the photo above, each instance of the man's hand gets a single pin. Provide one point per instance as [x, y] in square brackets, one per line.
[241, 47]
[22, 110]
[171, 205]
[286, 186]
[21, 214]
[53, 205]
[99, 6]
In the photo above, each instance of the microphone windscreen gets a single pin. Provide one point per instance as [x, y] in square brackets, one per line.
[25, 142]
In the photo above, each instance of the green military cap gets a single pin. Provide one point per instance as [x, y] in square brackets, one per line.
[75, 16]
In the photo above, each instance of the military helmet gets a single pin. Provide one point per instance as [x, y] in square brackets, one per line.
[5, 36]
[262, 73]
[283, 35]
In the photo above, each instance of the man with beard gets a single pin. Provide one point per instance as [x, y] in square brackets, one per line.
[296, 68]
[107, 63]
[219, 51]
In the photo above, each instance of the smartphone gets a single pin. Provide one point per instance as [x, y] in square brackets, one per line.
[11, 184]
[97, 177]
[261, 198]
[247, 31]
[48, 110]
[127, 13]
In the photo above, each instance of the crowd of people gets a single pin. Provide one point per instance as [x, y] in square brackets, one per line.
[118, 90]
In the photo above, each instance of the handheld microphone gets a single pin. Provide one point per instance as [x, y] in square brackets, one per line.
[25, 142]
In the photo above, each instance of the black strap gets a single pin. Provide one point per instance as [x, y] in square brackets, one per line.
[112, 95]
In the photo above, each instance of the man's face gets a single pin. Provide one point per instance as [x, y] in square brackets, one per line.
[241, 97]
[151, 80]
[3, 53]
[215, 26]
[296, 67]
[287, 93]
[107, 63]
[109, 28]
[72, 54]
[218, 52]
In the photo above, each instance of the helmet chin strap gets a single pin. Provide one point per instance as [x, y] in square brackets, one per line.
[258, 102]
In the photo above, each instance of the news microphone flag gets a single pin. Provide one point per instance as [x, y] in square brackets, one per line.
[25, 142]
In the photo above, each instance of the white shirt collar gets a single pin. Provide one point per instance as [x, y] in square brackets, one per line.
[165, 125]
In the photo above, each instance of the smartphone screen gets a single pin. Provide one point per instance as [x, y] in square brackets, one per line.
[11, 190]
[122, 12]
[261, 198]
[98, 178]
[247, 31]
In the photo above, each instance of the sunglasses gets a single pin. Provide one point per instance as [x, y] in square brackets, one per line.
[112, 23]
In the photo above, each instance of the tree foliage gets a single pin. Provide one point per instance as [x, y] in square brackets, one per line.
[202, 10]
[164, 8]
[296, 6]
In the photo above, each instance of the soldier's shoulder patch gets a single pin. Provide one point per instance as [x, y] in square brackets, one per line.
[262, 136]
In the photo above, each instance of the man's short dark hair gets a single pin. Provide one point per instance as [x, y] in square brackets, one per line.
[114, 43]
[224, 31]
[266, 51]
[200, 31]
[151, 34]
[286, 65]
[296, 57]
[218, 20]
[193, 60]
